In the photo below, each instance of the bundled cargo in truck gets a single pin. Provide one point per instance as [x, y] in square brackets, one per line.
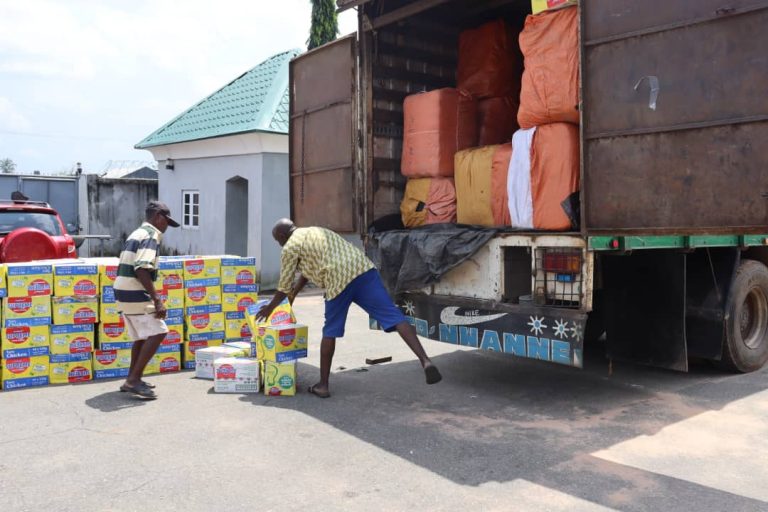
[428, 201]
[489, 61]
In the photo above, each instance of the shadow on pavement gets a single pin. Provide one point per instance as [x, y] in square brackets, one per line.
[112, 401]
[495, 418]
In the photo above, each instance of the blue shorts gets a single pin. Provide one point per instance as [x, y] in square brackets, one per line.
[368, 292]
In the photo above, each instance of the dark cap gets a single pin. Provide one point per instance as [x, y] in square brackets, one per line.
[162, 209]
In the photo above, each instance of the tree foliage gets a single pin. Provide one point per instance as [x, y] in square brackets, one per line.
[325, 23]
[7, 165]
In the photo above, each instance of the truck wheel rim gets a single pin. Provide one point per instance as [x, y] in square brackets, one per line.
[754, 318]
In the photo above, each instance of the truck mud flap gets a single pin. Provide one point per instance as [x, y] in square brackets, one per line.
[548, 334]
[645, 308]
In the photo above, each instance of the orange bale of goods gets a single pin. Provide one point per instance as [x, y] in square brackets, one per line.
[489, 61]
[550, 87]
[474, 189]
[554, 174]
[437, 124]
[499, 175]
[428, 201]
[497, 120]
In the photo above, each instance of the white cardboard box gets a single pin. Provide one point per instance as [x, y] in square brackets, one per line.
[236, 375]
[205, 357]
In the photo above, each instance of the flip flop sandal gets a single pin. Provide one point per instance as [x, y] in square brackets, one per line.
[150, 386]
[317, 393]
[433, 375]
[140, 390]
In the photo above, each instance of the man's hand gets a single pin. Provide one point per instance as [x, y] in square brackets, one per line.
[264, 313]
[160, 311]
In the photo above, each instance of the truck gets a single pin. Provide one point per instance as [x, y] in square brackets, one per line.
[669, 261]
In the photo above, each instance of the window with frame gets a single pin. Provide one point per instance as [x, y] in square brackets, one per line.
[191, 207]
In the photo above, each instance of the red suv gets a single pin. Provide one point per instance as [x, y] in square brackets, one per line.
[32, 230]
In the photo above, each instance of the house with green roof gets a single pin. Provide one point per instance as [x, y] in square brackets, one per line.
[223, 167]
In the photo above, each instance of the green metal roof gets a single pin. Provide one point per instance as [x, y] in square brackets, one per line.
[255, 101]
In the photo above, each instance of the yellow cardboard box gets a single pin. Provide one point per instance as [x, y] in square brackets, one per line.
[113, 333]
[279, 378]
[281, 343]
[72, 339]
[167, 359]
[239, 271]
[204, 320]
[203, 267]
[28, 311]
[283, 314]
[538, 6]
[108, 364]
[24, 341]
[75, 310]
[3, 281]
[71, 368]
[107, 272]
[173, 298]
[75, 280]
[25, 372]
[237, 297]
[202, 292]
[237, 327]
[29, 280]
[170, 274]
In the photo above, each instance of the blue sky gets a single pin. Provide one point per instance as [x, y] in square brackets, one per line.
[83, 81]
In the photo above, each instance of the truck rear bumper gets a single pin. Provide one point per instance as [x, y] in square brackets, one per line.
[548, 334]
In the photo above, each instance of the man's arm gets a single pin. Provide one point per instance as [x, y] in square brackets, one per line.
[300, 284]
[145, 278]
[289, 262]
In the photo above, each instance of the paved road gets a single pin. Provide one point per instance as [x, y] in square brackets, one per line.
[498, 434]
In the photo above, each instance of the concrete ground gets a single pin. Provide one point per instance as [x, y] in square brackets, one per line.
[497, 434]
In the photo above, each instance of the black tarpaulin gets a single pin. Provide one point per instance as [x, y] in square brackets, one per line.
[414, 258]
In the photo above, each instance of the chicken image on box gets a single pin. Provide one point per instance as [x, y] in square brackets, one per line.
[190, 347]
[109, 364]
[283, 314]
[202, 292]
[3, 281]
[114, 336]
[29, 280]
[204, 267]
[26, 311]
[237, 297]
[236, 375]
[167, 359]
[25, 341]
[237, 328]
[281, 343]
[75, 280]
[205, 357]
[204, 320]
[70, 368]
[75, 310]
[239, 271]
[72, 339]
[279, 378]
[24, 372]
[109, 313]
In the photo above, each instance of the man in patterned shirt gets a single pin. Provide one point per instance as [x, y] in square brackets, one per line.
[137, 299]
[348, 276]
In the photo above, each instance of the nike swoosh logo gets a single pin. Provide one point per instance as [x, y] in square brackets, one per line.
[449, 317]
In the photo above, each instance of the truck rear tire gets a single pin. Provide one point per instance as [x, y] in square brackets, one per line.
[746, 329]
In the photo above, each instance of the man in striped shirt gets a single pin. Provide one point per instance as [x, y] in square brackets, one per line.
[348, 276]
[137, 299]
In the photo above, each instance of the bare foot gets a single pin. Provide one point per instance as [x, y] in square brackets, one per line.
[432, 373]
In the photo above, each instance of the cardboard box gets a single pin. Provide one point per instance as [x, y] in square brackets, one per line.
[204, 320]
[281, 343]
[247, 347]
[25, 341]
[113, 333]
[167, 359]
[72, 339]
[205, 357]
[170, 274]
[107, 272]
[79, 280]
[283, 314]
[26, 311]
[3, 281]
[237, 297]
[109, 312]
[172, 298]
[190, 347]
[538, 6]
[25, 372]
[202, 292]
[175, 330]
[239, 271]
[29, 280]
[75, 310]
[279, 378]
[108, 364]
[204, 267]
[71, 368]
[236, 375]
[236, 326]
